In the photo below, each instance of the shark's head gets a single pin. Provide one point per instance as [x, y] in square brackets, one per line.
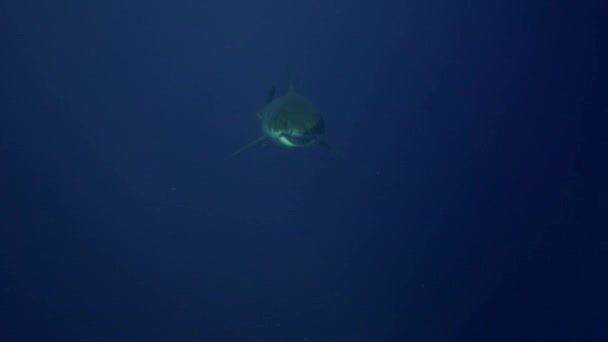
[293, 122]
[289, 120]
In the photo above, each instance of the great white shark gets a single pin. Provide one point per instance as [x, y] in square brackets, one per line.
[290, 121]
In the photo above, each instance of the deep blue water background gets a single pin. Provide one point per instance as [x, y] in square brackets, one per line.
[458, 203]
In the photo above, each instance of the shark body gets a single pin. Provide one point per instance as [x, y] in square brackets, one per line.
[290, 121]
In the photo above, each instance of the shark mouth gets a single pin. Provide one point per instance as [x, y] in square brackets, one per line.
[294, 140]
[293, 137]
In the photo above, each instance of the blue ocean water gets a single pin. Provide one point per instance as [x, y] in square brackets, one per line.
[457, 202]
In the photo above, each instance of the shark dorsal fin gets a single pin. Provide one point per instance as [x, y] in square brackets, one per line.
[290, 87]
[269, 96]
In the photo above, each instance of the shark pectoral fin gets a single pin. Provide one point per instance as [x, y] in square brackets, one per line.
[250, 145]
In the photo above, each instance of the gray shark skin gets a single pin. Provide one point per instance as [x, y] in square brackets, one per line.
[290, 121]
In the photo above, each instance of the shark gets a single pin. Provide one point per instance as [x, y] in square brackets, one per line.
[290, 121]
